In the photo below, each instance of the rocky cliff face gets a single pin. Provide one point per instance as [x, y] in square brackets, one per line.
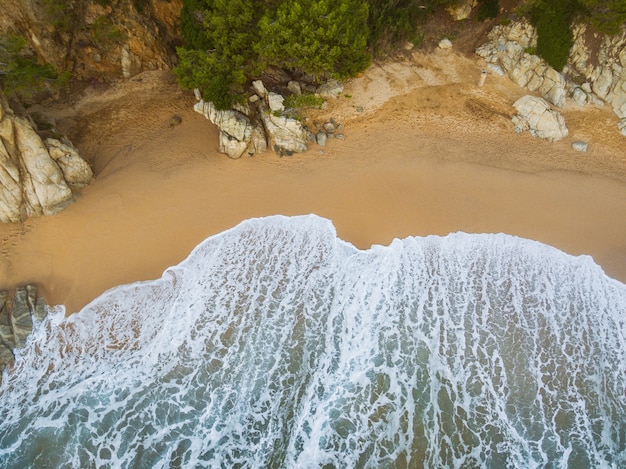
[97, 39]
[37, 177]
[595, 73]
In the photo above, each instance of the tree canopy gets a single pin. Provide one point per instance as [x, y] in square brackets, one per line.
[228, 42]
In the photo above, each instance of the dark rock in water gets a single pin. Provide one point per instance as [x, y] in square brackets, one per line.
[21, 319]
[6, 333]
[16, 320]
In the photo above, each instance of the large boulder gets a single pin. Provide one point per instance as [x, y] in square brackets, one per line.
[36, 177]
[17, 317]
[535, 115]
[286, 135]
[234, 126]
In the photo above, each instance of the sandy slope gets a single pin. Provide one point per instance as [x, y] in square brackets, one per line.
[431, 153]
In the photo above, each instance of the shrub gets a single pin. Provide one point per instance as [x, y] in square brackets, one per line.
[303, 101]
[552, 19]
[20, 72]
[488, 9]
[105, 33]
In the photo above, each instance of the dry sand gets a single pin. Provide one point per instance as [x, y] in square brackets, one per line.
[431, 153]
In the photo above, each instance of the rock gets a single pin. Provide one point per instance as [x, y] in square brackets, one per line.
[254, 98]
[259, 88]
[286, 135]
[294, 88]
[321, 139]
[462, 10]
[330, 90]
[16, 320]
[445, 44]
[36, 178]
[580, 146]
[11, 201]
[496, 69]
[275, 102]
[579, 96]
[197, 94]
[258, 141]
[535, 115]
[75, 170]
[602, 84]
[46, 191]
[622, 126]
[329, 128]
[235, 128]
[21, 317]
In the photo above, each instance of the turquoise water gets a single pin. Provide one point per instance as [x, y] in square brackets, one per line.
[276, 344]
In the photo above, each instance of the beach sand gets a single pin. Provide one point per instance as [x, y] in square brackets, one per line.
[430, 153]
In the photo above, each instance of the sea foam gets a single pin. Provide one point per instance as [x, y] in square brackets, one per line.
[276, 344]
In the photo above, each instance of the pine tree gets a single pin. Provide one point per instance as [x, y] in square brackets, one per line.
[320, 37]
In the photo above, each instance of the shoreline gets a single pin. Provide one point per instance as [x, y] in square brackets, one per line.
[433, 158]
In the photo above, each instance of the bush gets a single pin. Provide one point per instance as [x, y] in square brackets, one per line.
[607, 16]
[303, 101]
[488, 9]
[20, 72]
[552, 19]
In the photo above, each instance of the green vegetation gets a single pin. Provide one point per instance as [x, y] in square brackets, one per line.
[105, 33]
[227, 43]
[20, 72]
[394, 22]
[607, 16]
[303, 101]
[61, 13]
[553, 20]
[487, 9]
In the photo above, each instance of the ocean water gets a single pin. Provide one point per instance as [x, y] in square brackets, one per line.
[276, 344]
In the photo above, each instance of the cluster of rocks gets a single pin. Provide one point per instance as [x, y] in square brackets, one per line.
[510, 51]
[37, 177]
[322, 131]
[264, 122]
[16, 320]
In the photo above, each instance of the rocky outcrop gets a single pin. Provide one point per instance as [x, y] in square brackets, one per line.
[37, 177]
[535, 115]
[96, 39]
[595, 73]
[264, 122]
[510, 47]
[604, 70]
[16, 320]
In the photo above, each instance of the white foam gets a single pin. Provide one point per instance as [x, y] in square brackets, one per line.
[275, 344]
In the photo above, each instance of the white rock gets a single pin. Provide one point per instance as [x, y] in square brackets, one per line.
[232, 122]
[580, 146]
[445, 44]
[275, 102]
[11, 206]
[579, 96]
[496, 69]
[286, 135]
[535, 115]
[330, 90]
[622, 126]
[45, 188]
[294, 88]
[259, 88]
[76, 171]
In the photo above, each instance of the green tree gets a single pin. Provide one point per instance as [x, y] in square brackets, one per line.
[20, 72]
[319, 37]
[394, 22]
[553, 19]
[607, 15]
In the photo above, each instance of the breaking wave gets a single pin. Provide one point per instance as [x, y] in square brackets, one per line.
[276, 344]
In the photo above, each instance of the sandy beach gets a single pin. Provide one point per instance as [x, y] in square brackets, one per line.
[430, 153]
